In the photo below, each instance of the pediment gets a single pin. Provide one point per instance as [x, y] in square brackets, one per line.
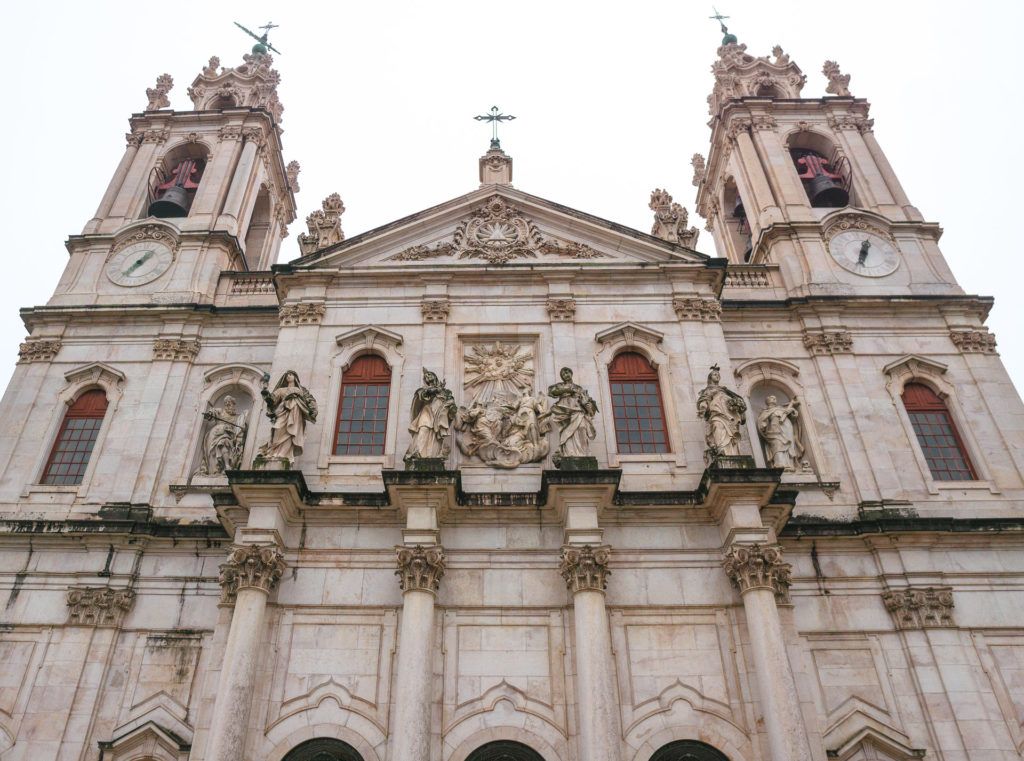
[497, 226]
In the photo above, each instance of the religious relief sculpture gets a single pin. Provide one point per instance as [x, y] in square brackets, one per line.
[780, 431]
[289, 406]
[723, 412]
[433, 409]
[224, 438]
[573, 413]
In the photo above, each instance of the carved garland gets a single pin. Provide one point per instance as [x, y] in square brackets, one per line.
[920, 608]
[585, 568]
[250, 567]
[758, 566]
[420, 568]
[98, 606]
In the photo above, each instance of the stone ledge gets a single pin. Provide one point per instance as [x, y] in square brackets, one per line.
[814, 526]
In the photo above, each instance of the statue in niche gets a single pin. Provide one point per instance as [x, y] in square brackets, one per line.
[780, 431]
[224, 439]
[433, 409]
[723, 412]
[290, 407]
[573, 413]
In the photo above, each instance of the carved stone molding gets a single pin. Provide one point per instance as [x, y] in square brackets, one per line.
[252, 84]
[758, 566]
[739, 74]
[561, 310]
[160, 233]
[176, 349]
[98, 606]
[302, 313]
[765, 122]
[699, 169]
[38, 350]
[828, 341]
[851, 122]
[747, 279]
[435, 310]
[250, 567]
[230, 132]
[585, 568]
[420, 568]
[970, 341]
[158, 95]
[705, 310]
[920, 607]
[132, 139]
[155, 135]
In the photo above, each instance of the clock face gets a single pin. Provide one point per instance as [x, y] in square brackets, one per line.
[864, 253]
[139, 263]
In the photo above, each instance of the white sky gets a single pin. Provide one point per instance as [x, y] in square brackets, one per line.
[379, 100]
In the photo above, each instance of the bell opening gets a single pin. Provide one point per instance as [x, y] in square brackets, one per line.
[826, 182]
[171, 194]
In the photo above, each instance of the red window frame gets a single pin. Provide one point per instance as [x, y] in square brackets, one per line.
[637, 406]
[72, 449]
[362, 420]
[937, 434]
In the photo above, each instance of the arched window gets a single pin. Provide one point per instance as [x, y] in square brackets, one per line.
[504, 750]
[937, 434]
[688, 750]
[363, 407]
[636, 402]
[323, 749]
[75, 440]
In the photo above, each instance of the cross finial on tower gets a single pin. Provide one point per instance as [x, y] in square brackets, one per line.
[494, 117]
[262, 44]
[728, 38]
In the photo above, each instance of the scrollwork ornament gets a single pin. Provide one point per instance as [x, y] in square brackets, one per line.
[585, 568]
[758, 566]
[250, 567]
[420, 568]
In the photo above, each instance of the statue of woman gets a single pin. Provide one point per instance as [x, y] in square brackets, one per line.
[289, 406]
[723, 412]
[779, 427]
[223, 443]
[433, 408]
[526, 439]
[574, 414]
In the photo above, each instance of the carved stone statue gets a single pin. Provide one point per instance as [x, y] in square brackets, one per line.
[505, 434]
[433, 409]
[223, 442]
[723, 412]
[838, 83]
[670, 220]
[158, 95]
[324, 225]
[573, 413]
[289, 406]
[779, 428]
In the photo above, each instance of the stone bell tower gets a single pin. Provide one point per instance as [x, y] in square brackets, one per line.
[196, 193]
[803, 183]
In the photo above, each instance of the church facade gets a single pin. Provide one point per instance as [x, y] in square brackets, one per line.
[503, 480]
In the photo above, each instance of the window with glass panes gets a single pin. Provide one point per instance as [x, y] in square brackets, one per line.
[636, 404]
[363, 407]
[937, 434]
[76, 439]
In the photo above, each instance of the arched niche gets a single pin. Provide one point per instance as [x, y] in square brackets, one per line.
[688, 750]
[736, 222]
[257, 233]
[181, 166]
[504, 750]
[323, 749]
[804, 142]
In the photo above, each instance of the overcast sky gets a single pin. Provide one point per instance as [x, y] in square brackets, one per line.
[610, 99]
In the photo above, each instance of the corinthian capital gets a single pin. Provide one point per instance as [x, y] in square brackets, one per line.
[758, 566]
[586, 567]
[255, 566]
[420, 568]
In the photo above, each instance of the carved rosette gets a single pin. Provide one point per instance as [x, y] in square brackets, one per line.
[435, 310]
[704, 310]
[971, 341]
[38, 350]
[98, 606]
[561, 310]
[420, 568]
[828, 342]
[250, 567]
[175, 349]
[920, 607]
[302, 313]
[585, 568]
[758, 566]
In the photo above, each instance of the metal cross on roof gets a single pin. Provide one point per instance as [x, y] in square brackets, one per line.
[494, 117]
[720, 19]
[262, 44]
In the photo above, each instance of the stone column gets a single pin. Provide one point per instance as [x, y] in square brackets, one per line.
[760, 574]
[131, 148]
[419, 571]
[248, 576]
[231, 215]
[585, 570]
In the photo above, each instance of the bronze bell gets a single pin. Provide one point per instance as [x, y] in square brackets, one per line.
[738, 211]
[173, 203]
[824, 192]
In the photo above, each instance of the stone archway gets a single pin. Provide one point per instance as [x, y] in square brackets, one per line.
[504, 750]
[688, 750]
[323, 749]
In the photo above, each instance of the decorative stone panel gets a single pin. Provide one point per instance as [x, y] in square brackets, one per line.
[302, 313]
[435, 310]
[851, 122]
[175, 349]
[828, 342]
[230, 132]
[561, 310]
[38, 350]
[585, 568]
[704, 310]
[747, 279]
[155, 135]
[974, 341]
[420, 568]
[98, 606]
[758, 566]
[920, 607]
[249, 285]
[250, 566]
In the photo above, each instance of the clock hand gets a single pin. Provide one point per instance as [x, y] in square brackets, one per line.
[865, 249]
[138, 262]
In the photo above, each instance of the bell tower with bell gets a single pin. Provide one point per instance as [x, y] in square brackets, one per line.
[803, 184]
[197, 192]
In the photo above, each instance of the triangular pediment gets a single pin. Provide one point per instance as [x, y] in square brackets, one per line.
[498, 226]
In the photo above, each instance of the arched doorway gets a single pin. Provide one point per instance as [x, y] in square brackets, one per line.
[323, 749]
[504, 750]
[688, 750]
